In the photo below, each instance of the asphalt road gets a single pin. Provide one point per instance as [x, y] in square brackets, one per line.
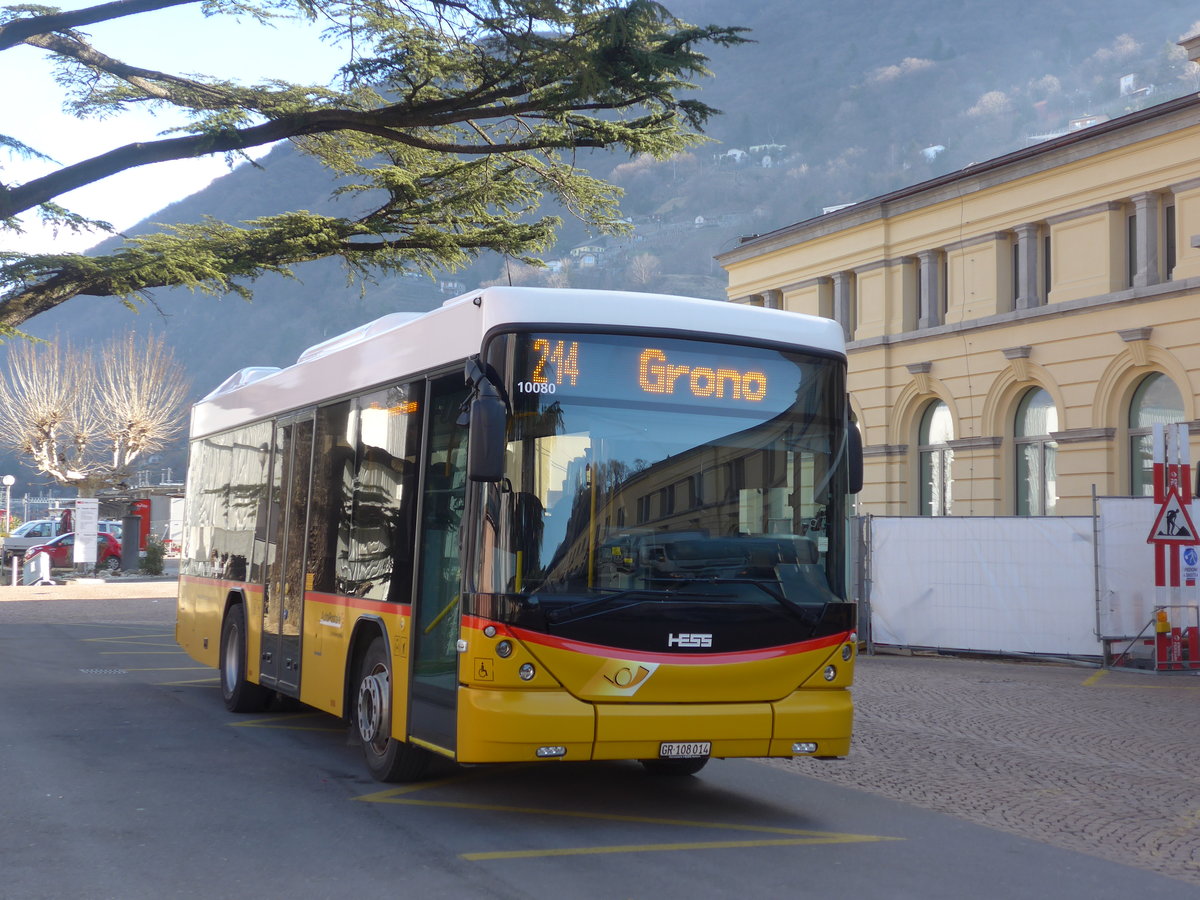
[122, 776]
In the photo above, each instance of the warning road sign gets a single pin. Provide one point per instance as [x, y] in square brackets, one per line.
[1173, 525]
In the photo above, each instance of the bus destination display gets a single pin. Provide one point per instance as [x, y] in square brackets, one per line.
[679, 370]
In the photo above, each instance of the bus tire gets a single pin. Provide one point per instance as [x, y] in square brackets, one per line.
[675, 768]
[387, 758]
[240, 695]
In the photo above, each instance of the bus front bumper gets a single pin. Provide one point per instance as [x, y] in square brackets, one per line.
[520, 726]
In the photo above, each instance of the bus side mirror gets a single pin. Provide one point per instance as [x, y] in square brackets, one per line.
[856, 458]
[487, 430]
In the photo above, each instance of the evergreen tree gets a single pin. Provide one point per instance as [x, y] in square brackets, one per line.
[452, 120]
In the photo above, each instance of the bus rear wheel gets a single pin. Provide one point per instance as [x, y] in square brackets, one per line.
[387, 758]
[240, 695]
[675, 767]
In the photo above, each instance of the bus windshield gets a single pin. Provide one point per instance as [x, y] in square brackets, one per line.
[645, 469]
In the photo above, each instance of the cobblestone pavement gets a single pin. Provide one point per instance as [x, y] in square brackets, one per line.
[1100, 761]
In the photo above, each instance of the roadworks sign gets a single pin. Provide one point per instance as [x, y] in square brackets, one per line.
[1173, 524]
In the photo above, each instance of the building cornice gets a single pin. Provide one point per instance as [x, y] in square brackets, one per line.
[1162, 291]
[1094, 210]
[871, 267]
[1084, 435]
[806, 284]
[885, 450]
[990, 237]
[983, 442]
[1180, 186]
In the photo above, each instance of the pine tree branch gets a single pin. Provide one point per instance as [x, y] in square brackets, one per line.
[143, 79]
[452, 113]
[20, 30]
[378, 123]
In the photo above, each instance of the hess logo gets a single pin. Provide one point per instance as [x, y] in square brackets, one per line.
[689, 640]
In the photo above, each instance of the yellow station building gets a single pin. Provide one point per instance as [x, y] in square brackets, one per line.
[1016, 328]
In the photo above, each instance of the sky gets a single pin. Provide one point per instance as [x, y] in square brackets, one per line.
[179, 41]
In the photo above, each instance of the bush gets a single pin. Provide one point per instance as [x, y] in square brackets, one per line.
[152, 562]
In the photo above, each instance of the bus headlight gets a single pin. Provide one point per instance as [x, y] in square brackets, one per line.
[847, 652]
[504, 649]
[526, 672]
[830, 673]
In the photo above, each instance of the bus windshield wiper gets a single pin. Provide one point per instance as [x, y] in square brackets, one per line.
[770, 590]
[587, 607]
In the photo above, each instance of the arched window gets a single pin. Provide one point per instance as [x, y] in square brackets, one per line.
[937, 430]
[1156, 401]
[1037, 491]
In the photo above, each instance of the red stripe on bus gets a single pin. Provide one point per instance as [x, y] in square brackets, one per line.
[693, 659]
[363, 604]
[360, 603]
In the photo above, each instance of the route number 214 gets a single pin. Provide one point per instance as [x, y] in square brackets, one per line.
[560, 357]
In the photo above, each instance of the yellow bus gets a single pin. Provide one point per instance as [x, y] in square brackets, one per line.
[536, 525]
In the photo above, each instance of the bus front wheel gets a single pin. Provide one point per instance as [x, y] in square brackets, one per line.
[239, 694]
[387, 758]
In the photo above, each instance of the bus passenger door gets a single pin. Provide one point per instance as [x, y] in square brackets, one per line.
[436, 611]
[283, 597]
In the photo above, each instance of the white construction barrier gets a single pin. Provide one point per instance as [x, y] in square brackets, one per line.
[999, 585]
[37, 570]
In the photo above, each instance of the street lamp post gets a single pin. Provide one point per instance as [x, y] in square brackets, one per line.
[8, 481]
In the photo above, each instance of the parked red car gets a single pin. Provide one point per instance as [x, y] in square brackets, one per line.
[61, 551]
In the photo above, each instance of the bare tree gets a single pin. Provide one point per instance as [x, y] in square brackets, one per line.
[644, 268]
[84, 416]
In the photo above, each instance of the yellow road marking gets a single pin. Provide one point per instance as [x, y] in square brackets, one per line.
[392, 795]
[666, 848]
[1154, 687]
[282, 723]
[611, 817]
[208, 682]
[117, 638]
[169, 669]
[797, 836]
[1094, 679]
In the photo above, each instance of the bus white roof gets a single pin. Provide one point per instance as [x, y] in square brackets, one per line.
[401, 344]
